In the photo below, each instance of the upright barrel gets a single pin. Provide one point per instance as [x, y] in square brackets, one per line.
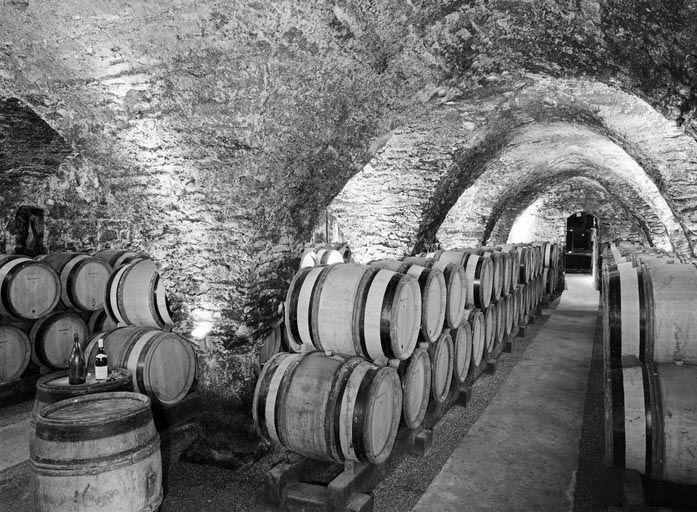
[355, 310]
[328, 408]
[415, 376]
[455, 284]
[52, 339]
[55, 387]
[28, 289]
[433, 295]
[136, 295]
[162, 364]
[83, 279]
[15, 353]
[650, 421]
[96, 452]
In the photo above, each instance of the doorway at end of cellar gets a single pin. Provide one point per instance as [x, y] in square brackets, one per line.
[581, 246]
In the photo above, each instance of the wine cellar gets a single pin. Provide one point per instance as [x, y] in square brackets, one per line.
[375, 256]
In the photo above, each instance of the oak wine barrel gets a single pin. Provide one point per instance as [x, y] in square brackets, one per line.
[478, 273]
[433, 295]
[355, 310]
[162, 364]
[497, 275]
[489, 327]
[136, 295]
[415, 376]
[328, 408]
[515, 305]
[96, 451]
[15, 353]
[650, 421]
[442, 354]
[99, 321]
[462, 344]
[671, 324]
[116, 258]
[325, 255]
[55, 387]
[475, 318]
[455, 284]
[515, 254]
[83, 279]
[28, 289]
[52, 339]
[500, 321]
[507, 308]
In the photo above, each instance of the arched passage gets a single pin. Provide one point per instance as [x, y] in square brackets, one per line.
[551, 203]
[397, 203]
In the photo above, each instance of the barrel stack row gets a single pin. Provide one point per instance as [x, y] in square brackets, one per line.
[650, 362]
[113, 294]
[378, 343]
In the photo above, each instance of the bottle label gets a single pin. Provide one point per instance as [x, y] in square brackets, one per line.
[101, 372]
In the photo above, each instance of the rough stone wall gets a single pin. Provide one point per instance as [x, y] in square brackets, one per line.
[545, 218]
[213, 134]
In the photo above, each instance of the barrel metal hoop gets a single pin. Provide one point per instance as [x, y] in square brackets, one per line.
[618, 435]
[262, 391]
[292, 304]
[386, 315]
[332, 427]
[64, 431]
[73, 467]
[358, 426]
[281, 396]
[649, 333]
[658, 450]
[615, 319]
[313, 310]
[642, 315]
[143, 360]
[358, 314]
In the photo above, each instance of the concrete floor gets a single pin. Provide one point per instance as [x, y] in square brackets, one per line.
[523, 451]
[516, 443]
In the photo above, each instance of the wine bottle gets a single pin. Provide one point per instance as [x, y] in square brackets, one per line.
[77, 369]
[101, 363]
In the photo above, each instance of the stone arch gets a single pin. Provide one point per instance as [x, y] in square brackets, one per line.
[417, 177]
[574, 194]
[32, 152]
[546, 153]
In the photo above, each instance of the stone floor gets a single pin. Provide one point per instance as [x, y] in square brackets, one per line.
[522, 453]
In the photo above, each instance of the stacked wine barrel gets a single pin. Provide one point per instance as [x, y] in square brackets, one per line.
[408, 330]
[46, 302]
[650, 362]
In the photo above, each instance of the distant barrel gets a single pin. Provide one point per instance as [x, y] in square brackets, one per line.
[415, 376]
[442, 361]
[462, 344]
[475, 318]
[455, 283]
[116, 258]
[433, 294]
